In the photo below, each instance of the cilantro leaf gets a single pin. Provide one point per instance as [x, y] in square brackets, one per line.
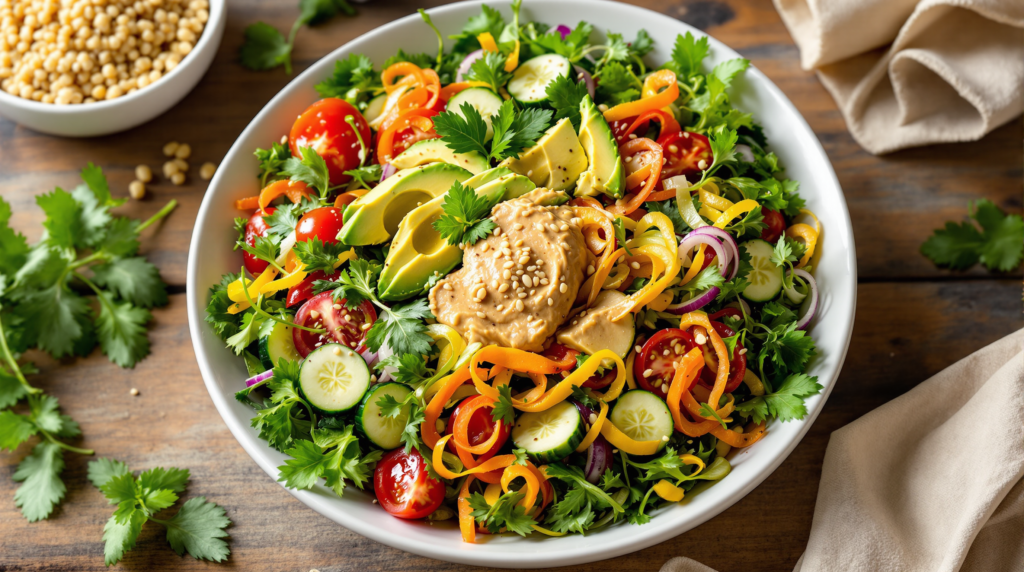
[42, 488]
[119, 535]
[503, 408]
[410, 369]
[272, 161]
[265, 48]
[670, 210]
[489, 69]
[789, 348]
[522, 131]
[464, 131]
[172, 479]
[11, 390]
[52, 318]
[687, 55]
[122, 332]
[62, 223]
[504, 513]
[707, 278]
[402, 329]
[366, 176]
[999, 245]
[97, 183]
[464, 219]
[13, 246]
[14, 429]
[310, 169]
[134, 279]
[103, 469]
[565, 96]
[355, 72]
[785, 403]
[199, 529]
[317, 255]
[618, 83]
[643, 44]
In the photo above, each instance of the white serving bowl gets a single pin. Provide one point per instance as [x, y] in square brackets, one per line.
[791, 138]
[127, 111]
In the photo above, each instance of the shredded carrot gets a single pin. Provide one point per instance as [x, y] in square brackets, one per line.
[595, 428]
[497, 462]
[387, 77]
[248, 204]
[652, 168]
[467, 524]
[294, 190]
[740, 439]
[447, 387]
[653, 99]
[686, 372]
[513, 472]
[699, 318]
[461, 429]
[415, 117]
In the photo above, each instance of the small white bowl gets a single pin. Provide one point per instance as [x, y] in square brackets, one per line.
[127, 111]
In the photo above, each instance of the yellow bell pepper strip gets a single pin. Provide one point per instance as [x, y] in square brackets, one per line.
[512, 62]
[538, 399]
[661, 302]
[594, 220]
[470, 462]
[617, 385]
[296, 277]
[630, 381]
[695, 266]
[492, 492]
[467, 524]
[668, 491]
[740, 208]
[663, 250]
[487, 42]
[497, 462]
[693, 460]
[450, 352]
[699, 318]
[513, 472]
[617, 277]
[236, 292]
[547, 491]
[624, 442]
[715, 201]
[817, 223]
[589, 290]
[595, 428]
[739, 440]
[546, 531]
[753, 382]
[653, 98]
[810, 237]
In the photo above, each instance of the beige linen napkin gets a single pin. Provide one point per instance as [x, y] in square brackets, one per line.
[914, 72]
[932, 481]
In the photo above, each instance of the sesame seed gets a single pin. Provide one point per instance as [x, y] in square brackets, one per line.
[503, 288]
[673, 149]
[574, 322]
[520, 243]
[702, 164]
[515, 284]
[481, 315]
[665, 353]
[564, 227]
[701, 339]
[551, 302]
[540, 263]
[563, 288]
[590, 269]
[365, 326]
[508, 264]
[447, 286]
[593, 418]
[484, 247]
[506, 252]
[337, 351]
[314, 314]
[544, 281]
[527, 281]
[501, 307]
[337, 306]
[133, 391]
[632, 136]
[664, 438]
[521, 294]
[517, 226]
[507, 274]
[519, 272]
[634, 265]
[743, 351]
[519, 305]
[351, 354]
[531, 268]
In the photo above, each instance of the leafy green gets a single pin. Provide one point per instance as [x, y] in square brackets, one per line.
[272, 161]
[576, 510]
[687, 55]
[365, 176]
[503, 408]
[489, 69]
[785, 403]
[504, 513]
[465, 131]
[354, 73]
[465, 215]
[336, 457]
[310, 169]
[999, 245]
[565, 96]
[266, 48]
[318, 255]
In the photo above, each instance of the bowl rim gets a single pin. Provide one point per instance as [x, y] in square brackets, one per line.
[218, 8]
[843, 312]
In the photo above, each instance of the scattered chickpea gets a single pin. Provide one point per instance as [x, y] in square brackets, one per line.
[137, 190]
[144, 173]
[184, 151]
[182, 165]
[207, 170]
[170, 148]
[178, 179]
[133, 391]
[170, 169]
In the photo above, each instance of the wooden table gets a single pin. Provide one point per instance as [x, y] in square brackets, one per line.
[912, 319]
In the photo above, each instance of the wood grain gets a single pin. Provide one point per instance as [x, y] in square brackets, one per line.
[912, 319]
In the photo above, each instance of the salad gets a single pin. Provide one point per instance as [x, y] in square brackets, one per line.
[532, 283]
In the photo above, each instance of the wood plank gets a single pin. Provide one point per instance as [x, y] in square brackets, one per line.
[904, 334]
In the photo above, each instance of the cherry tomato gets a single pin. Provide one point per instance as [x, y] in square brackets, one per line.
[600, 381]
[404, 488]
[731, 312]
[254, 228]
[349, 333]
[737, 367]
[620, 127]
[481, 426]
[304, 290]
[652, 357]
[323, 223]
[562, 354]
[322, 126]
[690, 150]
[406, 137]
[776, 225]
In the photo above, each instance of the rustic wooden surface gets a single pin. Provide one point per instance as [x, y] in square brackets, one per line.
[912, 319]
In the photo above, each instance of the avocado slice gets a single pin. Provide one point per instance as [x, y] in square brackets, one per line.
[555, 161]
[418, 252]
[605, 174]
[375, 216]
[435, 151]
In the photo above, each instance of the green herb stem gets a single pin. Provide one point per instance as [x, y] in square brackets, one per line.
[9, 358]
[65, 446]
[159, 215]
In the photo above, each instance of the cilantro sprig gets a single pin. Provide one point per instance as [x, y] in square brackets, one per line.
[504, 513]
[465, 215]
[197, 527]
[465, 131]
[998, 245]
[266, 48]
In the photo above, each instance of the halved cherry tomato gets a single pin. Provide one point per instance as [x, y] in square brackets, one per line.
[776, 225]
[304, 290]
[683, 153]
[404, 488]
[737, 367]
[481, 426]
[322, 126]
[254, 228]
[731, 312]
[600, 381]
[404, 138]
[348, 332]
[323, 223]
[564, 355]
[652, 357]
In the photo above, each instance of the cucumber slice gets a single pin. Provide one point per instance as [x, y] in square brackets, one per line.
[333, 378]
[765, 277]
[385, 432]
[551, 435]
[642, 416]
[278, 344]
[529, 83]
[375, 107]
[482, 99]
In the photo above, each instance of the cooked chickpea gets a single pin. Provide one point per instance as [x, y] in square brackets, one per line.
[178, 179]
[137, 190]
[207, 170]
[170, 169]
[170, 148]
[81, 51]
[184, 151]
[144, 173]
[181, 164]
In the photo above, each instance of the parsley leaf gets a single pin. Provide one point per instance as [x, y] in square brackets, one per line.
[465, 215]
[198, 529]
[409, 369]
[503, 408]
[999, 245]
[310, 169]
[565, 96]
[265, 48]
[353, 73]
[788, 348]
[516, 130]
[489, 69]
[317, 255]
[687, 55]
[365, 176]
[272, 161]
[785, 403]
[463, 132]
[42, 488]
[134, 279]
[504, 513]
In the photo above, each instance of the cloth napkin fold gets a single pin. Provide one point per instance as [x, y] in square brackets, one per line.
[932, 481]
[914, 72]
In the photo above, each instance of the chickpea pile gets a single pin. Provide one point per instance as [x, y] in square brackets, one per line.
[81, 51]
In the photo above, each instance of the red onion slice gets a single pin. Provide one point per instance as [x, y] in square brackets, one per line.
[582, 74]
[599, 459]
[812, 306]
[703, 299]
[563, 30]
[259, 378]
[460, 74]
[695, 239]
[387, 170]
[729, 242]
[369, 357]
